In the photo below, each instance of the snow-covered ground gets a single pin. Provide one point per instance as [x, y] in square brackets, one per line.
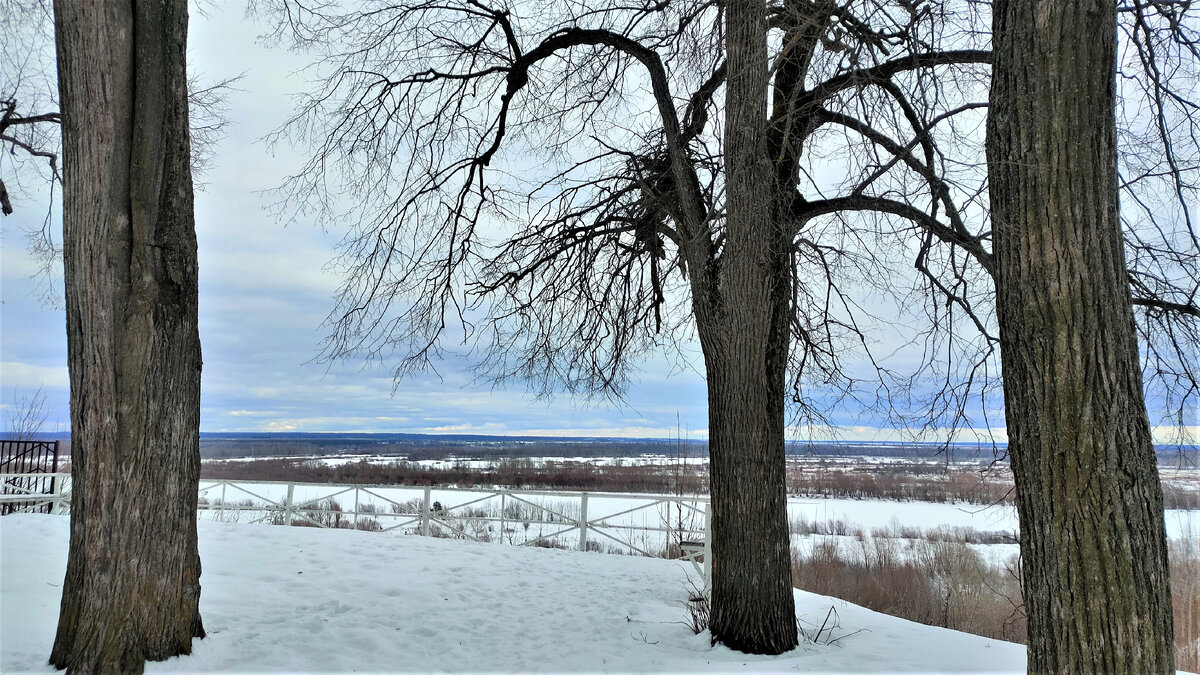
[287, 599]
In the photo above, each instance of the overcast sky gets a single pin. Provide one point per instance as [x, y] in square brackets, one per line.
[264, 294]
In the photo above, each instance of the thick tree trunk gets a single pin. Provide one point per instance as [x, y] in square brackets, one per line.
[753, 609]
[1093, 547]
[745, 342]
[132, 586]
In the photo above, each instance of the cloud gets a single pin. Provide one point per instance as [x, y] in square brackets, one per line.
[16, 374]
[870, 434]
[483, 429]
[1169, 435]
[619, 432]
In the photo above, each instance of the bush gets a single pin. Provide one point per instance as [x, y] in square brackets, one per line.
[936, 582]
[834, 526]
[1185, 595]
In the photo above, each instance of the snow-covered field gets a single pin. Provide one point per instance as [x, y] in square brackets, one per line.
[286, 599]
[646, 459]
[473, 463]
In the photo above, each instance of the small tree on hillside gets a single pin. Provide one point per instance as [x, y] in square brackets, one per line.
[24, 419]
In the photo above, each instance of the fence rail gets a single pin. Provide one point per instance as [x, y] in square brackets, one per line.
[675, 526]
[24, 493]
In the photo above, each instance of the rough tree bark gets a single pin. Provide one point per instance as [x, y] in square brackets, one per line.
[745, 344]
[132, 584]
[1093, 547]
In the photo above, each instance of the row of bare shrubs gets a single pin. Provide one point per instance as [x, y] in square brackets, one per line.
[904, 481]
[324, 513]
[514, 524]
[929, 483]
[569, 475]
[926, 483]
[941, 580]
[896, 530]
[1185, 596]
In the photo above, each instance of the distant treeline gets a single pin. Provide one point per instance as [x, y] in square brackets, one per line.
[416, 447]
[440, 449]
[419, 447]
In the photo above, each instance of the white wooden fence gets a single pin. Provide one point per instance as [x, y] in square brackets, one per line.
[653, 525]
[15, 489]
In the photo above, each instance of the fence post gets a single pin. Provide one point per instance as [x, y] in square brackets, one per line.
[708, 561]
[583, 522]
[55, 480]
[60, 499]
[287, 506]
[425, 512]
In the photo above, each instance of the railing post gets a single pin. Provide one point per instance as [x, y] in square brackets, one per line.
[583, 522]
[708, 561]
[503, 521]
[55, 480]
[287, 506]
[425, 512]
[60, 499]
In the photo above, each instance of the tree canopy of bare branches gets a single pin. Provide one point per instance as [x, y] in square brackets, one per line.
[28, 100]
[29, 110]
[552, 184]
[558, 183]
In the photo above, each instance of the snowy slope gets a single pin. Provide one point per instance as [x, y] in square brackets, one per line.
[278, 599]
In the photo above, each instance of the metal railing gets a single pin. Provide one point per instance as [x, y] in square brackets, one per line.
[675, 526]
[35, 462]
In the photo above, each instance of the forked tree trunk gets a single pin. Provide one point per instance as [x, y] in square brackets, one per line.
[1093, 547]
[132, 586]
[745, 343]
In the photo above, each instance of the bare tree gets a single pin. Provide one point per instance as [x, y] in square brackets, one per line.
[27, 416]
[561, 184]
[132, 586]
[644, 208]
[1093, 544]
[1070, 271]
